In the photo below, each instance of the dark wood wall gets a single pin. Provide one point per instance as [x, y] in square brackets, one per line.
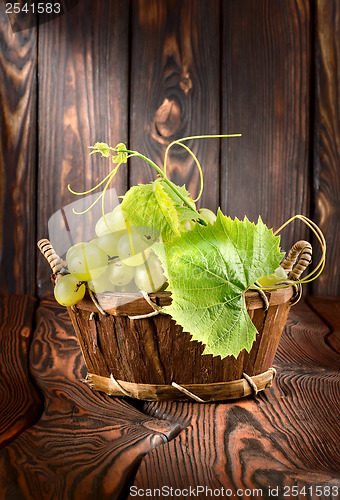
[147, 72]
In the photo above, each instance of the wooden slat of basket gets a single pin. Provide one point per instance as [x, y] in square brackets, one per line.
[152, 350]
[207, 392]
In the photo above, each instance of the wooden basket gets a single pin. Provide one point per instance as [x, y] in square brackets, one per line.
[151, 358]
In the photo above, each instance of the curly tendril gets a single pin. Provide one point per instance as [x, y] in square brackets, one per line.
[179, 142]
[121, 155]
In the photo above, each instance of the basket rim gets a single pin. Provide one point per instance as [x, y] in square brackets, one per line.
[130, 304]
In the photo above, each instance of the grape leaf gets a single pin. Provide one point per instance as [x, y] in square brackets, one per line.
[184, 212]
[101, 147]
[181, 189]
[121, 156]
[150, 205]
[209, 270]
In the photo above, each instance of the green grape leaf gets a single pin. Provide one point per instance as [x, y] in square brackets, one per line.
[209, 270]
[150, 205]
[121, 156]
[183, 210]
[101, 147]
[171, 193]
[185, 213]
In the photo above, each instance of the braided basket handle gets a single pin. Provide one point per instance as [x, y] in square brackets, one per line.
[50, 255]
[298, 258]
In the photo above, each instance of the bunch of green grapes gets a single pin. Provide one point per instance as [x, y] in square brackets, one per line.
[118, 259]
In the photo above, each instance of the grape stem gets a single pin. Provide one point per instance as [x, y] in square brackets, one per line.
[79, 284]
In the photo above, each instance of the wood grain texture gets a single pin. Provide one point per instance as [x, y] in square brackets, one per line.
[175, 90]
[266, 97]
[328, 308]
[286, 436]
[85, 445]
[248, 446]
[19, 402]
[305, 341]
[17, 157]
[326, 170]
[83, 98]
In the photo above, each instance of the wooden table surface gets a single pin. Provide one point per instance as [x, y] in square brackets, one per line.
[60, 440]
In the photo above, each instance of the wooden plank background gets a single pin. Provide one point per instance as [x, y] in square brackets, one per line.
[146, 72]
[18, 162]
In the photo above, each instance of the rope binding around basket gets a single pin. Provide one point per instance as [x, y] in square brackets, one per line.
[156, 308]
[200, 393]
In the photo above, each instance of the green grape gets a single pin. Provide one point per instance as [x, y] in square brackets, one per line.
[207, 215]
[271, 280]
[129, 288]
[104, 225]
[108, 242]
[69, 290]
[118, 219]
[132, 250]
[111, 222]
[119, 274]
[187, 225]
[149, 276]
[102, 284]
[86, 261]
